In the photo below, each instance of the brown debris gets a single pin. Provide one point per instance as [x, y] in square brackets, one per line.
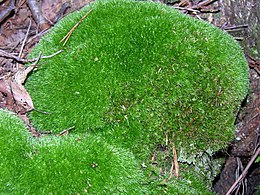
[37, 15]
[195, 7]
[254, 64]
[6, 9]
[244, 173]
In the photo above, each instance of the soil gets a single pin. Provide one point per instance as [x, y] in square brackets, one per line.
[22, 27]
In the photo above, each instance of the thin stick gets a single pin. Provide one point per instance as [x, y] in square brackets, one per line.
[38, 35]
[236, 27]
[36, 11]
[206, 3]
[244, 172]
[67, 36]
[171, 171]
[186, 9]
[21, 60]
[24, 41]
[66, 131]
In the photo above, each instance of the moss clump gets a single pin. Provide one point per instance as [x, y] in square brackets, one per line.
[71, 164]
[13, 139]
[135, 70]
[132, 71]
[80, 164]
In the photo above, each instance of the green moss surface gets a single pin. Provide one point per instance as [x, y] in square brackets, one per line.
[136, 69]
[13, 138]
[129, 73]
[80, 164]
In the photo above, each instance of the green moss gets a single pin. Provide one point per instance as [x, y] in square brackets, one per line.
[13, 139]
[139, 69]
[80, 164]
[132, 71]
[63, 165]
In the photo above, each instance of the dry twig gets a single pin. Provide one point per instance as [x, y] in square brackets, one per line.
[66, 131]
[242, 176]
[24, 41]
[21, 60]
[67, 36]
[238, 27]
[205, 3]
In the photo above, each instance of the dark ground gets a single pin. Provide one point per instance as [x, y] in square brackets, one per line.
[240, 18]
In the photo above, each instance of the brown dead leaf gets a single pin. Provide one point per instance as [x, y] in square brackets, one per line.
[21, 95]
[14, 97]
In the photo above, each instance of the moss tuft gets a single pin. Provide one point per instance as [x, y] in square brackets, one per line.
[134, 70]
[80, 164]
[77, 164]
[13, 138]
[130, 72]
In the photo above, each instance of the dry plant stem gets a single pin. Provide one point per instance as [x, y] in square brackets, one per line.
[66, 131]
[244, 172]
[209, 10]
[21, 60]
[186, 9]
[171, 171]
[23, 44]
[206, 3]
[67, 36]
[37, 35]
[175, 164]
[238, 27]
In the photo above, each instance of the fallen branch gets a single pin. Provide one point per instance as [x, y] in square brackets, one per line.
[6, 12]
[37, 14]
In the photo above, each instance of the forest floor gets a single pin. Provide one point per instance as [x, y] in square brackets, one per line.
[22, 23]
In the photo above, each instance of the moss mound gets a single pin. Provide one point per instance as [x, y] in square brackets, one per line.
[13, 138]
[71, 164]
[134, 70]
